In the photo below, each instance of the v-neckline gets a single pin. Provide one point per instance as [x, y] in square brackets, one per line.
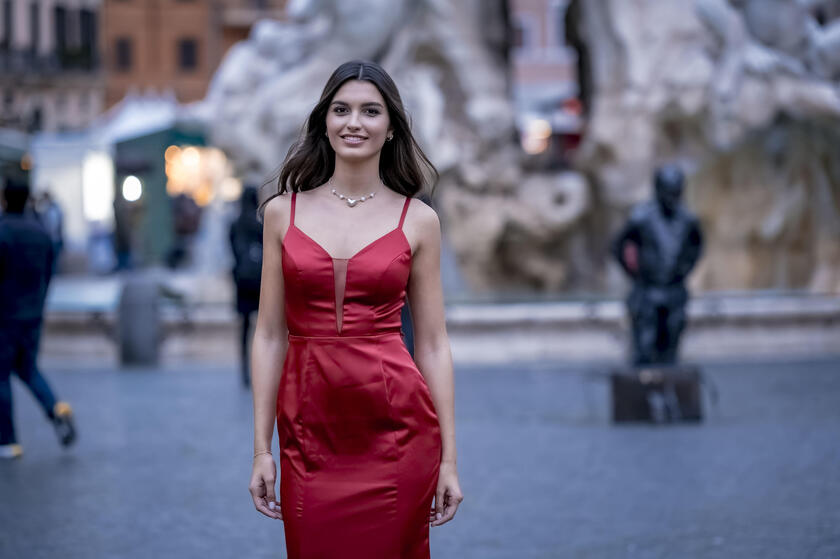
[358, 252]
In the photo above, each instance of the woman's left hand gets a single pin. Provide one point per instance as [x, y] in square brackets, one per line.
[448, 495]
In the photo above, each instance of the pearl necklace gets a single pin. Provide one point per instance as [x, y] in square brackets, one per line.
[351, 201]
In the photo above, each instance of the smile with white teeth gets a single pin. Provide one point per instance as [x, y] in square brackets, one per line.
[353, 139]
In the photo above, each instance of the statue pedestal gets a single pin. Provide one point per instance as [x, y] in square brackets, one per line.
[657, 394]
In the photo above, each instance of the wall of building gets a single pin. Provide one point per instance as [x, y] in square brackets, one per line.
[156, 29]
[49, 64]
[540, 53]
[154, 32]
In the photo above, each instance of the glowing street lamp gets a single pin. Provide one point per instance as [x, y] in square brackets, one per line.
[132, 188]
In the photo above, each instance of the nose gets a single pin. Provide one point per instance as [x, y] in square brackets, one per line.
[353, 124]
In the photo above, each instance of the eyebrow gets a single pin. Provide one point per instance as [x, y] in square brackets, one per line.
[368, 104]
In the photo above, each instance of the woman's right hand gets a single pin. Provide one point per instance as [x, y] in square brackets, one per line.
[263, 476]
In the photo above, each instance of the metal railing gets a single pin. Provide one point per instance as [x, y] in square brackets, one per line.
[27, 62]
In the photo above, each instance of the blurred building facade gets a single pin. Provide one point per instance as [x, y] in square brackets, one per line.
[544, 75]
[543, 64]
[173, 45]
[50, 72]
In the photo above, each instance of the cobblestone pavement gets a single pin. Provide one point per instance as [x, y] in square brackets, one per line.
[162, 464]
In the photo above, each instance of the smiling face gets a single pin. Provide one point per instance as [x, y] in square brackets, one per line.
[357, 121]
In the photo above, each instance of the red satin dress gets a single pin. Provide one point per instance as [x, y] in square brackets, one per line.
[359, 437]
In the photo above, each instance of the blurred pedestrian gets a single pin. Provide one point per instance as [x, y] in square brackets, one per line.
[125, 220]
[186, 220]
[26, 260]
[52, 218]
[246, 242]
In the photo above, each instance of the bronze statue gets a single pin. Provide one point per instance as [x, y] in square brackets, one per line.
[658, 247]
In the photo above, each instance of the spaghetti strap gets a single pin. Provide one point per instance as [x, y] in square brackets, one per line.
[292, 213]
[404, 210]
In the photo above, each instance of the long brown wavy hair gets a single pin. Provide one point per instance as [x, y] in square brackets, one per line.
[310, 162]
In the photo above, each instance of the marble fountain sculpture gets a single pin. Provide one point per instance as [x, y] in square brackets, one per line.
[746, 94]
[746, 98]
[507, 228]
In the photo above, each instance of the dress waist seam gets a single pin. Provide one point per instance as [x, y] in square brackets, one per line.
[345, 337]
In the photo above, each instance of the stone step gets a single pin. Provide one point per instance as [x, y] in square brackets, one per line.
[202, 326]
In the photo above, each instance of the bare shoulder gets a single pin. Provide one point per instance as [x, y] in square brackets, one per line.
[422, 218]
[277, 211]
[422, 227]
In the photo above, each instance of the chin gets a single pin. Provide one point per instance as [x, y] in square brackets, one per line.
[355, 155]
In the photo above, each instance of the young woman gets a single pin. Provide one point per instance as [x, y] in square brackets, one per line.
[367, 436]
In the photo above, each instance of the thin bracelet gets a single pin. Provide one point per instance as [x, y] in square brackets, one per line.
[261, 452]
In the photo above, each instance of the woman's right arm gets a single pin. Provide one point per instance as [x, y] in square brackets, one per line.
[267, 355]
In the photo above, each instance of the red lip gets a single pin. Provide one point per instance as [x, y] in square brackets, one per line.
[353, 141]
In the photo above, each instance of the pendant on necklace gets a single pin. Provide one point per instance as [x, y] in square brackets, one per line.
[352, 201]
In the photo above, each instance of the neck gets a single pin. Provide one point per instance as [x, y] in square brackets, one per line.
[355, 179]
[666, 211]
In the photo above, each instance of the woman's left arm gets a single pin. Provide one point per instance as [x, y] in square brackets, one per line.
[432, 353]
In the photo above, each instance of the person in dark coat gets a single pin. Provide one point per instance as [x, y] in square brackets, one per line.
[657, 248]
[246, 244]
[52, 218]
[26, 260]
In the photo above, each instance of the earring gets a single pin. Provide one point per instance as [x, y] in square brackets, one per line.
[390, 137]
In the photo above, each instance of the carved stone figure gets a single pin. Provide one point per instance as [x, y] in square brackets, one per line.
[745, 96]
[658, 247]
[509, 227]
